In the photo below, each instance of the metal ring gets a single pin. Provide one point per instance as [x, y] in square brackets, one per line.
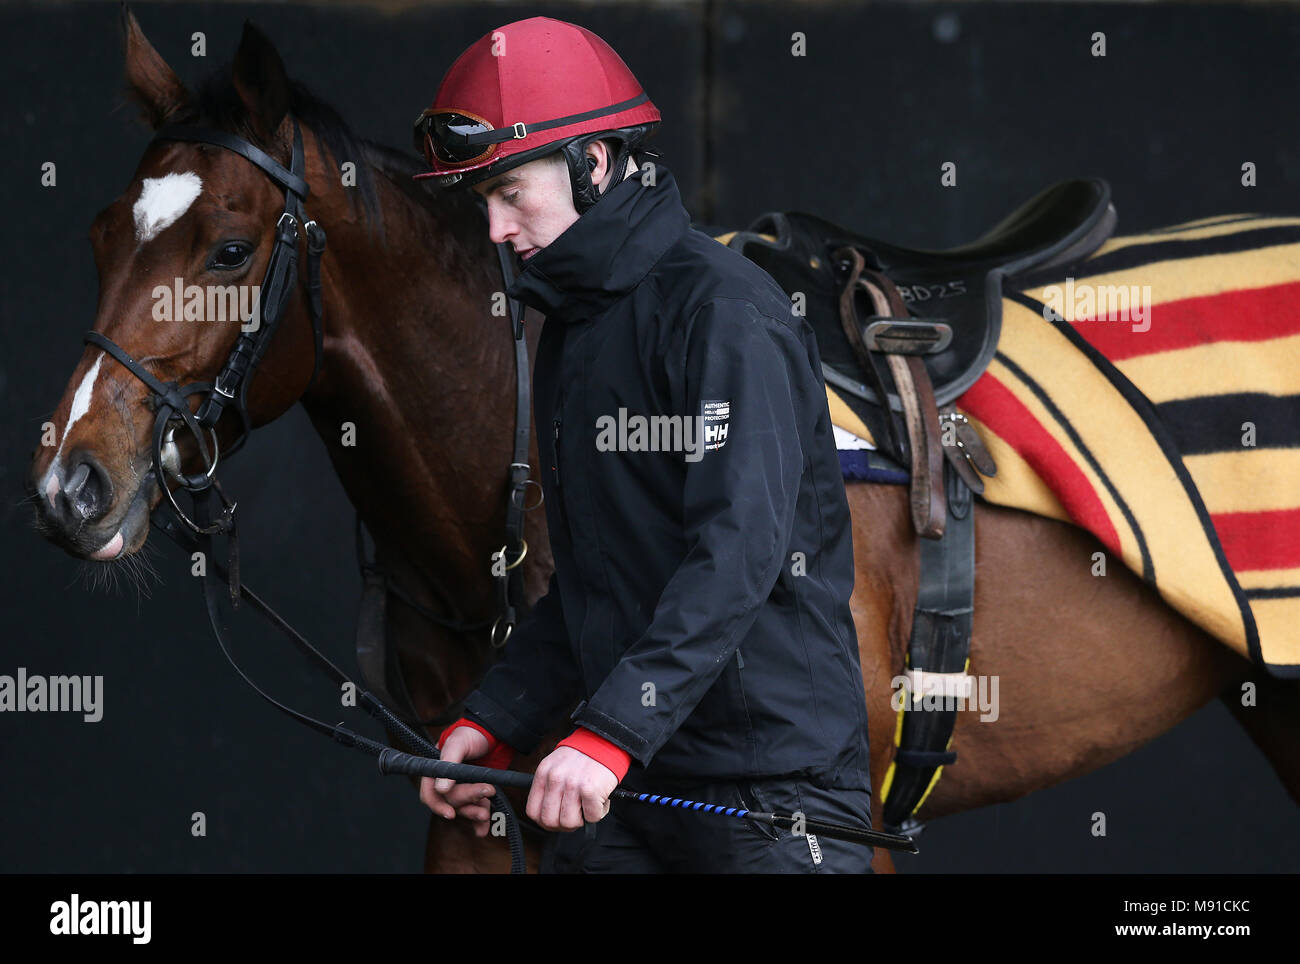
[510, 628]
[502, 553]
[220, 525]
[181, 477]
[528, 508]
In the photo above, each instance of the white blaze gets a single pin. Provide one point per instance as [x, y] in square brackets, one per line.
[162, 201]
[81, 400]
[80, 406]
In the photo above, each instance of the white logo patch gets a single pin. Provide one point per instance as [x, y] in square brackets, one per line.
[162, 200]
[815, 849]
[716, 415]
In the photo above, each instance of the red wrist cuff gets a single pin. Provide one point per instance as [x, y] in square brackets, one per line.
[499, 755]
[612, 756]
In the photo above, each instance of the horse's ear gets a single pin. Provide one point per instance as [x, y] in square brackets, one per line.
[261, 82]
[152, 84]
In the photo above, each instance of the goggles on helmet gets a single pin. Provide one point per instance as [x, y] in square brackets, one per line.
[456, 137]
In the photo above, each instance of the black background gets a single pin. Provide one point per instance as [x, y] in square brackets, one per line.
[855, 131]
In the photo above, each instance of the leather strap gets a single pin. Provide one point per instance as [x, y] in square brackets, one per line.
[292, 181]
[510, 584]
[851, 321]
[966, 453]
[921, 417]
[232, 383]
[315, 301]
[939, 644]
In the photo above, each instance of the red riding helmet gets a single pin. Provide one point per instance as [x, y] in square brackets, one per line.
[529, 89]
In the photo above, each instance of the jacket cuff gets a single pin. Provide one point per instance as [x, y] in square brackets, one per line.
[610, 755]
[602, 724]
[499, 754]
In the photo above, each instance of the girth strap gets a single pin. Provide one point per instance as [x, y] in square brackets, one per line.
[939, 644]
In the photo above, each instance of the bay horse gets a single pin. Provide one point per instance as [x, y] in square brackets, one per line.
[416, 361]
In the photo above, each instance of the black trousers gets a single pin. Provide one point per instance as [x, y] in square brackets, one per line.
[643, 838]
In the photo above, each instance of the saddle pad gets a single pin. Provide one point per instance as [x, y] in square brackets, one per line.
[1170, 431]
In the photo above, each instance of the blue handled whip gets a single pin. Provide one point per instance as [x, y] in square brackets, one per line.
[394, 761]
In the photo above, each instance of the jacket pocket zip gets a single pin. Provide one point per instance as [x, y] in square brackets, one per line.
[555, 474]
[744, 701]
[555, 464]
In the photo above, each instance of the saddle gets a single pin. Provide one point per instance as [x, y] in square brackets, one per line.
[922, 326]
[929, 320]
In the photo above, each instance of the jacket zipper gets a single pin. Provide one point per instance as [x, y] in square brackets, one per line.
[744, 700]
[555, 464]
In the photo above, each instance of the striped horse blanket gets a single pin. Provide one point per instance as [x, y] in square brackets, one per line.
[1150, 394]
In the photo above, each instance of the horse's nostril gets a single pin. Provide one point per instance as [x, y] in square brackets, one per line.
[86, 492]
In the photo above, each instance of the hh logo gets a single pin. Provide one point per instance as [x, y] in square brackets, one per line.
[716, 417]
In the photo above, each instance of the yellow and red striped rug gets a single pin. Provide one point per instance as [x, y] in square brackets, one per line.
[1166, 423]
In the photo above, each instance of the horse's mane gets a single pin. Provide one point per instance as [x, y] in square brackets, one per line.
[217, 104]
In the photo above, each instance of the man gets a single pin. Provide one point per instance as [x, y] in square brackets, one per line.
[699, 607]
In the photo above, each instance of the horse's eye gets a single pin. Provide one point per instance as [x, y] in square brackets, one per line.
[230, 256]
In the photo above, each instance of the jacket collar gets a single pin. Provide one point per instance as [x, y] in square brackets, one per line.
[607, 251]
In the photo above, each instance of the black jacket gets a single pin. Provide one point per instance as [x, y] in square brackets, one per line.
[699, 607]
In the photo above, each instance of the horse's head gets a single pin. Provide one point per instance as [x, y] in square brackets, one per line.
[182, 255]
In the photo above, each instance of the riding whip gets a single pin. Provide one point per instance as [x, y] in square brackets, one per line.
[394, 761]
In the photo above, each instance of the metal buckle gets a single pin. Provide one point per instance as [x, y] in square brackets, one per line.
[520, 130]
[292, 220]
[957, 419]
[315, 237]
[220, 389]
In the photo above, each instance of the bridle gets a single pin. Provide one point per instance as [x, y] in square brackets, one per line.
[230, 387]
[194, 530]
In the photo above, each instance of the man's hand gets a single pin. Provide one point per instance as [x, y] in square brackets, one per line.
[446, 797]
[569, 786]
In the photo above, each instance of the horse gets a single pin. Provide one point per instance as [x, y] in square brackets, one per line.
[409, 280]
